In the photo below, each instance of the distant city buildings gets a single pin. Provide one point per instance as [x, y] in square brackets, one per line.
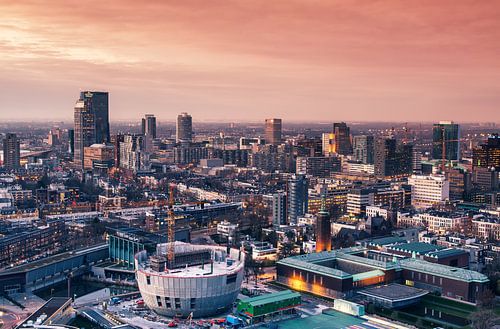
[273, 133]
[337, 142]
[184, 128]
[148, 125]
[11, 152]
[91, 119]
[342, 138]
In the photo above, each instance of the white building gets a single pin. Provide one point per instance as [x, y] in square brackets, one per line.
[427, 191]
[227, 229]
[486, 227]
[377, 211]
[435, 222]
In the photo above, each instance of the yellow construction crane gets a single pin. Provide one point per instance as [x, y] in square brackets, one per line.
[171, 227]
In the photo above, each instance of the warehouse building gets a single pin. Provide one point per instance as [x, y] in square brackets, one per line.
[256, 308]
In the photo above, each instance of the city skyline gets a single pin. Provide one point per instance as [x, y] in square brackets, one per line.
[297, 61]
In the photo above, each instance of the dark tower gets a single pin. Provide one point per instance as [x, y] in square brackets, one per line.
[323, 229]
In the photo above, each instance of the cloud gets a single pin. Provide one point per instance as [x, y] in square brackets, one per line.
[236, 60]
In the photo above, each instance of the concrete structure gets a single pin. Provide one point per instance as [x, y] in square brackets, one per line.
[202, 281]
[428, 191]
[184, 128]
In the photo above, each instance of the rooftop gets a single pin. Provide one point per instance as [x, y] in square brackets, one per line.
[446, 253]
[394, 292]
[420, 248]
[270, 298]
[52, 259]
[386, 241]
[450, 272]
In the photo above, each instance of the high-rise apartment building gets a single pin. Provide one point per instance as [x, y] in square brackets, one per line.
[91, 118]
[279, 209]
[342, 138]
[297, 197]
[11, 152]
[184, 128]
[273, 131]
[447, 134]
[363, 148]
[149, 125]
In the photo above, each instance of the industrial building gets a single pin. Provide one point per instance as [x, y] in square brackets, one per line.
[200, 281]
[341, 273]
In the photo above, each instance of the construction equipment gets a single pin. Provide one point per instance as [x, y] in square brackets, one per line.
[171, 227]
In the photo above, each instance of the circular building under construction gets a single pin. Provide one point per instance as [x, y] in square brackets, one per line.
[199, 281]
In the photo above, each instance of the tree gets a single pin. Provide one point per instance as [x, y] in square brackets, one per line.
[484, 319]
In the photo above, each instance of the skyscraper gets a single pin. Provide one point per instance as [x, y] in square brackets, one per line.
[149, 125]
[297, 197]
[184, 128]
[449, 133]
[273, 131]
[363, 148]
[391, 160]
[323, 229]
[342, 138]
[11, 152]
[91, 122]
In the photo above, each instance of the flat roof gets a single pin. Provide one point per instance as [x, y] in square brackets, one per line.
[386, 241]
[52, 259]
[394, 292]
[49, 308]
[446, 253]
[450, 272]
[367, 275]
[271, 298]
[420, 248]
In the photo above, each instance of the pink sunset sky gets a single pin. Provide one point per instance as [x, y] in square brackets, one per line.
[312, 60]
